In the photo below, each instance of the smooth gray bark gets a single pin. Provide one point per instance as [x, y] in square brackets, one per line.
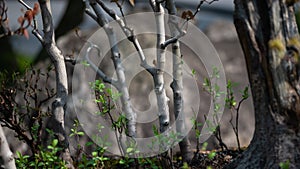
[159, 84]
[116, 58]
[177, 84]
[269, 37]
[5, 152]
[56, 122]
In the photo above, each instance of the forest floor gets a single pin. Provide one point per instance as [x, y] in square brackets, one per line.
[215, 159]
[211, 159]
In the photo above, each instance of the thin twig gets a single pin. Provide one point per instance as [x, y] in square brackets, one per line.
[38, 36]
[25, 5]
[200, 4]
[184, 24]
[103, 76]
[172, 40]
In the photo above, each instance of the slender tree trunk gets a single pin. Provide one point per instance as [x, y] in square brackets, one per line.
[268, 34]
[120, 72]
[177, 85]
[5, 152]
[159, 84]
[59, 105]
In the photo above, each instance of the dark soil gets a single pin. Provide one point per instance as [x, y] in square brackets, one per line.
[202, 160]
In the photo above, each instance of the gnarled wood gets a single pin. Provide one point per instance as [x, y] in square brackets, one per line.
[268, 34]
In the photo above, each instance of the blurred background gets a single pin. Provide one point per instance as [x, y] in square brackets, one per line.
[214, 20]
[220, 10]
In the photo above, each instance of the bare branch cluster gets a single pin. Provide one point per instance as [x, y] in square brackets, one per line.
[25, 21]
[26, 118]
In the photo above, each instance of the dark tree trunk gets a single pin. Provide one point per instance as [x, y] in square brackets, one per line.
[269, 36]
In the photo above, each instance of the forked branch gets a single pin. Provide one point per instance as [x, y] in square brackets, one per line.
[101, 19]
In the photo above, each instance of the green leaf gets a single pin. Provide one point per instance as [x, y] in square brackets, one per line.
[19, 155]
[193, 72]
[216, 73]
[94, 154]
[85, 63]
[211, 155]
[54, 142]
[129, 149]
[185, 165]
[122, 161]
[204, 146]
[89, 143]
[41, 164]
[104, 158]
[284, 165]
[217, 107]
[155, 130]
[206, 82]
[80, 133]
[245, 93]
[50, 147]
[198, 133]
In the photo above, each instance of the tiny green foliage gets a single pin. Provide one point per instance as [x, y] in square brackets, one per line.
[99, 158]
[196, 125]
[120, 122]
[245, 93]
[129, 150]
[34, 130]
[216, 72]
[98, 85]
[206, 82]
[126, 162]
[230, 99]
[85, 63]
[204, 146]
[185, 165]
[284, 165]
[193, 72]
[211, 155]
[155, 130]
[114, 95]
[149, 163]
[96, 160]
[157, 135]
[43, 159]
[22, 161]
[75, 130]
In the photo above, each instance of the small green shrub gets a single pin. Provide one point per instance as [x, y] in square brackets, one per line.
[48, 158]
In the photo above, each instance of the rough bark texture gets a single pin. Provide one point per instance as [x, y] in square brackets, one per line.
[5, 153]
[56, 123]
[269, 37]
